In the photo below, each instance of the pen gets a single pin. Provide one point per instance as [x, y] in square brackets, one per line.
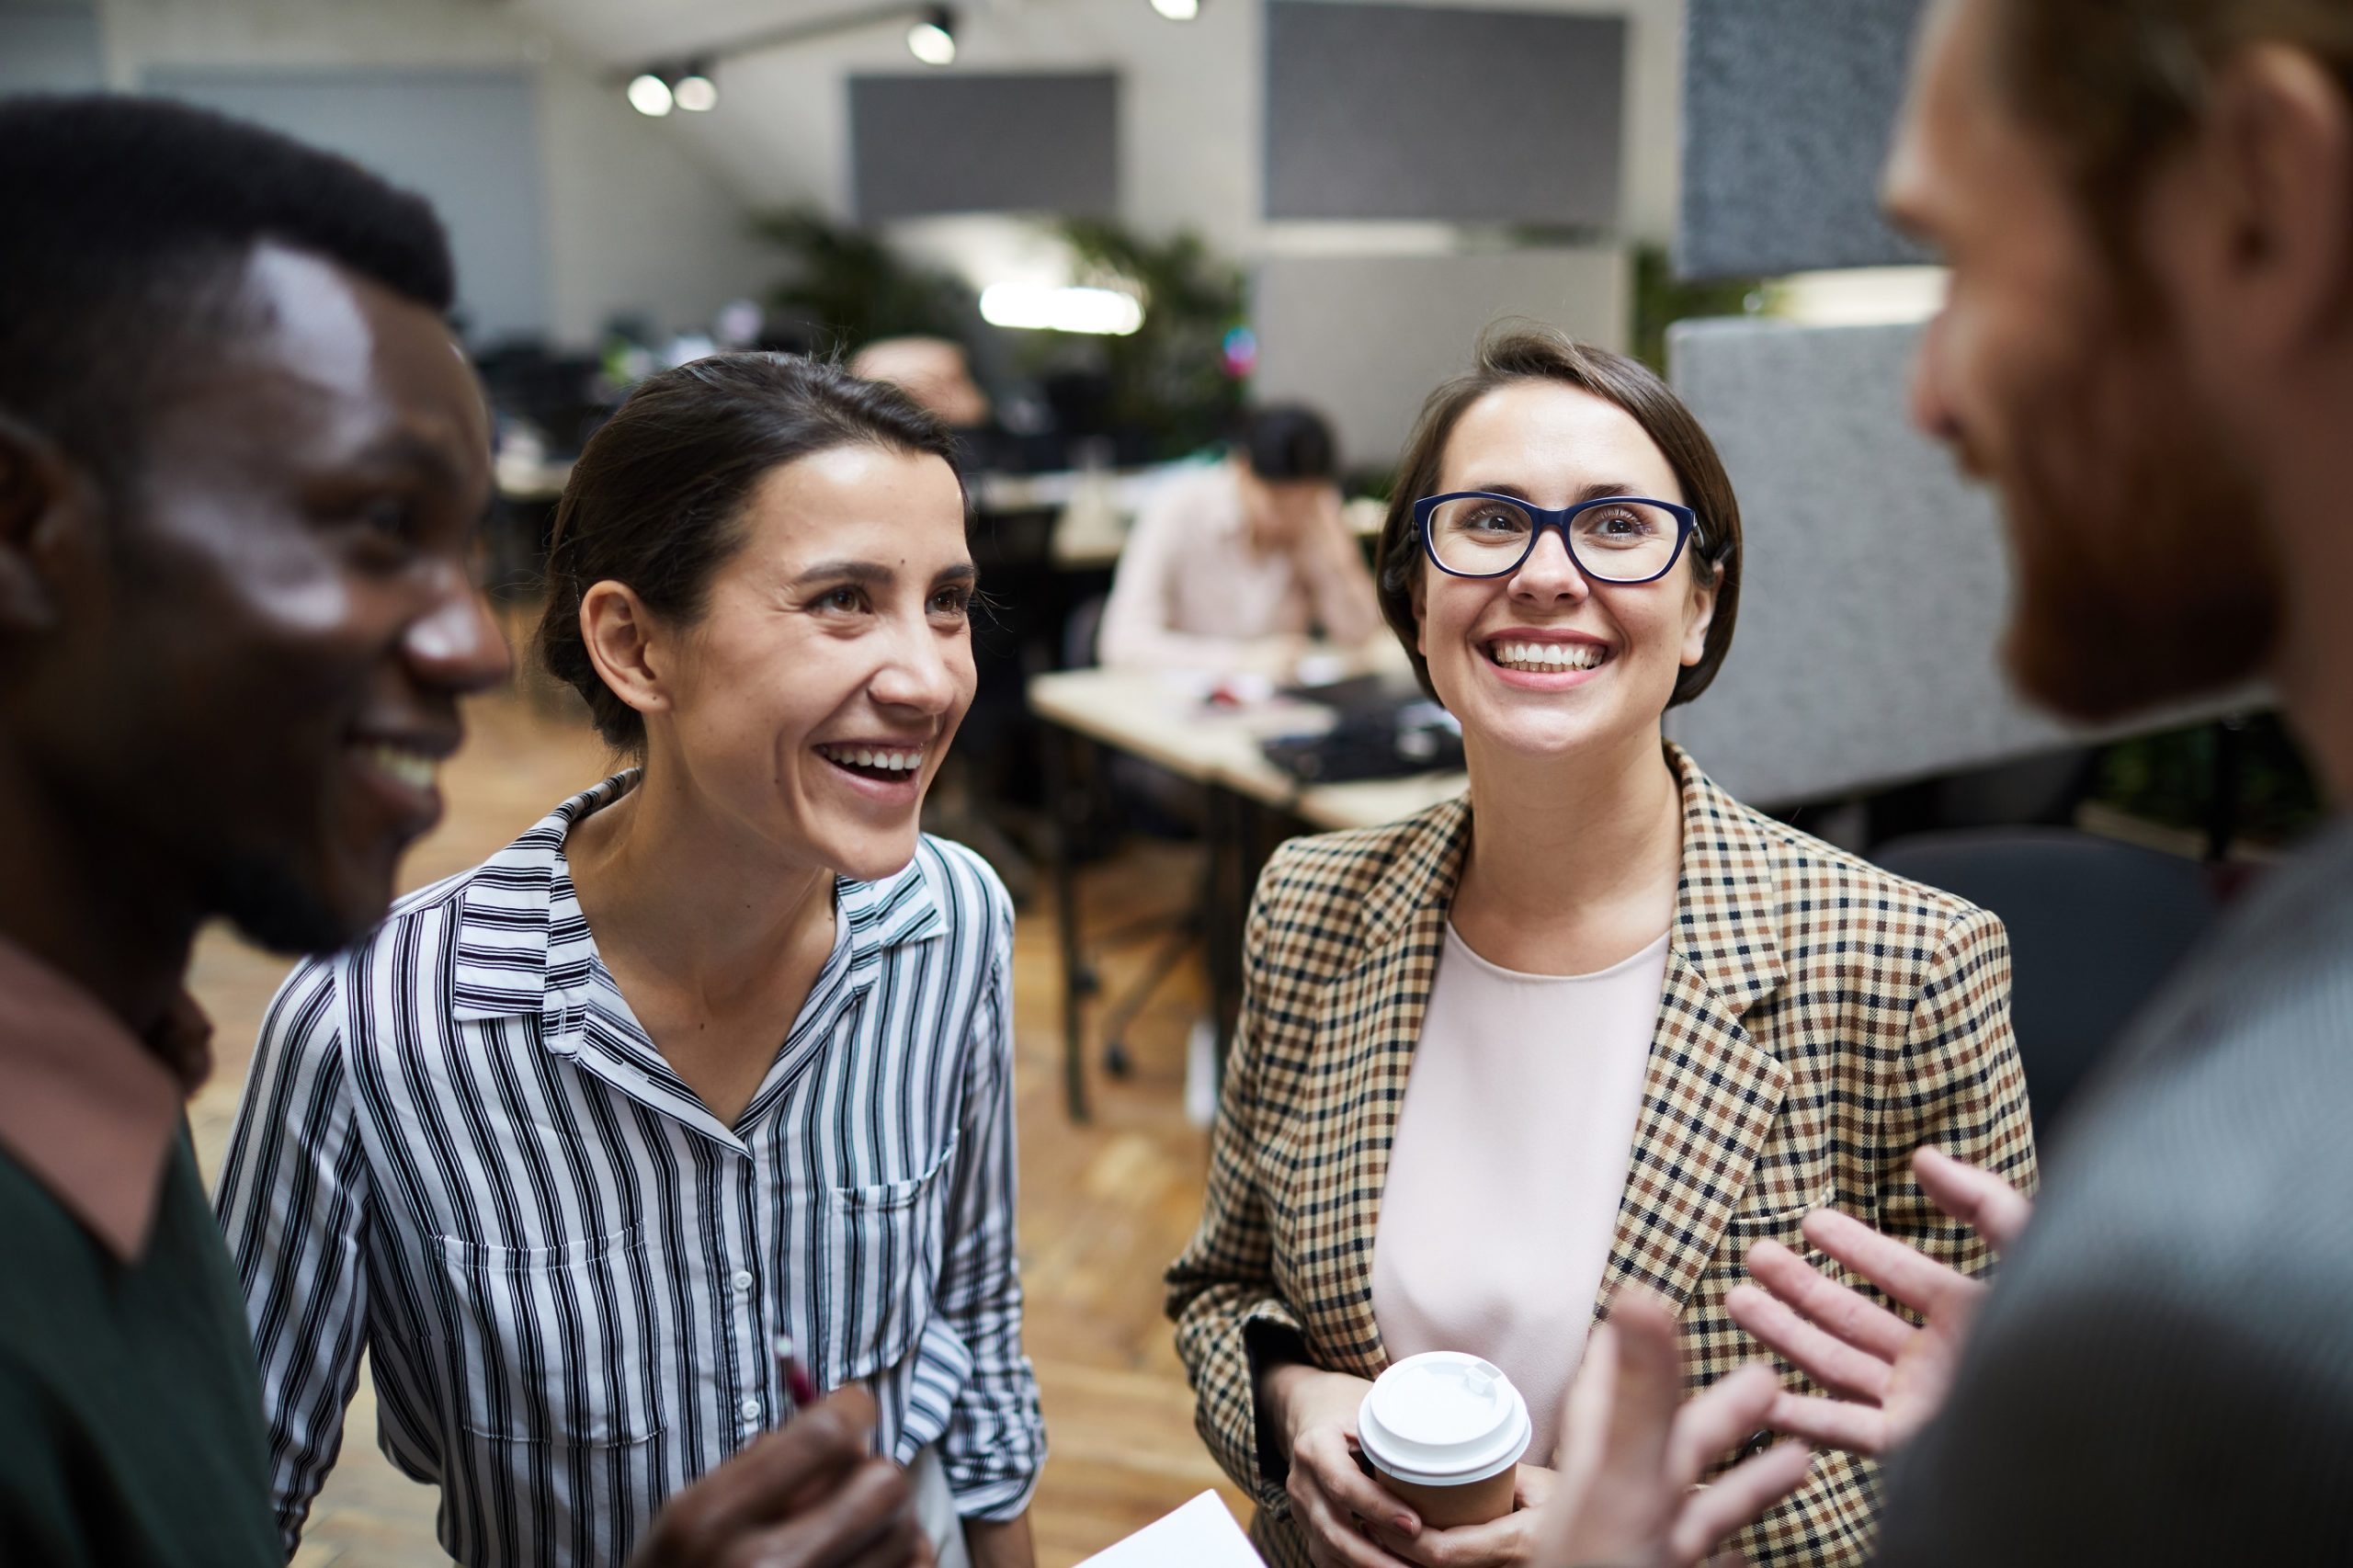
[797, 1381]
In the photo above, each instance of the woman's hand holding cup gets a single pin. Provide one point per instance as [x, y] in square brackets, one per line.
[1329, 1491]
[1510, 1541]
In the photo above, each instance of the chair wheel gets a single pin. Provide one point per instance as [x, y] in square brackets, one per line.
[1116, 1061]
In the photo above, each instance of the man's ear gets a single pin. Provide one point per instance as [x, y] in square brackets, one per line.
[47, 506]
[2276, 157]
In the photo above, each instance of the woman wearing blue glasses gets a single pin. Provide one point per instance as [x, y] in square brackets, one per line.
[1595, 1026]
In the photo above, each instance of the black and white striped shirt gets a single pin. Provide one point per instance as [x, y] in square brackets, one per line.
[459, 1147]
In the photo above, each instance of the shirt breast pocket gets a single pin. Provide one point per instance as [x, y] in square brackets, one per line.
[558, 1340]
[885, 1243]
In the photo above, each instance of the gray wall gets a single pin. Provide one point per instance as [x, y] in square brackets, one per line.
[1787, 107]
[1365, 338]
[1875, 585]
[1010, 143]
[1386, 111]
[50, 49]
[466, 139]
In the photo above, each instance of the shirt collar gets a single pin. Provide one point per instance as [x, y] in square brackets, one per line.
[513, 960]
[88, 1109]
[1726, 905]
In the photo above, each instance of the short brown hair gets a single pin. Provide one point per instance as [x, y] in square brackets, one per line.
[1531, 351]
[656, 501]
[2117, 85]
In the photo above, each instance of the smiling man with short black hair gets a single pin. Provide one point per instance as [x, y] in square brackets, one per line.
[242, 461]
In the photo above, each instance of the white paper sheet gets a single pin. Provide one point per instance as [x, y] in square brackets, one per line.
[1201, 1534]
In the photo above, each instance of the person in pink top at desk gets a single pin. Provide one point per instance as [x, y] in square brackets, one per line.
[1242, 558]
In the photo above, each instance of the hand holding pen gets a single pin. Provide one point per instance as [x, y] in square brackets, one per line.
[797, 1381]
[809, 1494]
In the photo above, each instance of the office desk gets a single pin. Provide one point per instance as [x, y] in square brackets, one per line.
[1149, 716]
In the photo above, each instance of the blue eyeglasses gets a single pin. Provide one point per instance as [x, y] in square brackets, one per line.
[1619, 539]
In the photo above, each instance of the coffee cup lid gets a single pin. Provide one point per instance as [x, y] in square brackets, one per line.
[1443, 1418]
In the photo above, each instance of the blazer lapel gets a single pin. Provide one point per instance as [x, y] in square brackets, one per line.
[1711, 1093]
[1368, 1022]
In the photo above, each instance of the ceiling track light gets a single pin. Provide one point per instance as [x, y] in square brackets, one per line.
[1177, 10]
[654, 90]
[697, 91]
[933, 37]
[650, 95]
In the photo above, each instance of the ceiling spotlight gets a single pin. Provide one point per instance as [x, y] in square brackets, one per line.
[933, 39]
[1177, 10]
[650, 95]
[696, 92]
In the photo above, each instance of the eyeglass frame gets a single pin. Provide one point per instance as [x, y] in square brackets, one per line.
[1687, 524]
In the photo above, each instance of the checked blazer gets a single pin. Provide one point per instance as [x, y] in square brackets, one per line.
[1821, 1020]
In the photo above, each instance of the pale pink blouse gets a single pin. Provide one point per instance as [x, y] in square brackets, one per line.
[1508, 1164]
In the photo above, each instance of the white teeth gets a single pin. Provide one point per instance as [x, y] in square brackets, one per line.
[413, 769]
[867, 756]
[1542, 656]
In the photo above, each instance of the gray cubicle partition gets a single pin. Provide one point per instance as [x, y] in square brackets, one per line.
[467, 140]
[51, 48]
[1875, 585]
[1787, 107]
[1365, 338]
[984, 142]
[1443, 113]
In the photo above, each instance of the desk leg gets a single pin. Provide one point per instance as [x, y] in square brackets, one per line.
[1062, 796]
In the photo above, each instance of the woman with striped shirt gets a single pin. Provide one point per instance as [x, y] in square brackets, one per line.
[717, 1054]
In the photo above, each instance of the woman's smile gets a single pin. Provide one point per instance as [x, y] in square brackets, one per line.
[887, 772]
[1538, 660]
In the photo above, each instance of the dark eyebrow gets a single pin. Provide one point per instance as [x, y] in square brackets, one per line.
[868, 573]
[407, 449]
[865, 572]
[1600, 490]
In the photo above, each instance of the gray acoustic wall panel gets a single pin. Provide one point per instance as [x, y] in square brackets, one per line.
[47, 48]
[1365, 338]
[1455, 115]
[1876, 581]
[1045, 143]
[467, 139]
[1787, 110]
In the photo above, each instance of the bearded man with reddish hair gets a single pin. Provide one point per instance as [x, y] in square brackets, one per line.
[2147, 348]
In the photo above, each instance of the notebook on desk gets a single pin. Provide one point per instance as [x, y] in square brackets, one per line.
[1201, 1534]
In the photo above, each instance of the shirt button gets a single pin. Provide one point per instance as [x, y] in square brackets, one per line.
[742, 1281]
[750, 1409]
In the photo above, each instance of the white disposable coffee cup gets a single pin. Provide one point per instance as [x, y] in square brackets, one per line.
[1445, 1431]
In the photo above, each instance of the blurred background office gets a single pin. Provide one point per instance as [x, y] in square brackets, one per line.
[1092, 234]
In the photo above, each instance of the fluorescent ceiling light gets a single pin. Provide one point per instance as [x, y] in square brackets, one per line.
[1040, 307]
[1177, 10]
[1862, 296]
[649, 94]
[696, 92]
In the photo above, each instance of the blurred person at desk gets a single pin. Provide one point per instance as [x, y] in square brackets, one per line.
[1237, 565]
[719, 1051]
[937, 374]
[1596, 1027]
[242, 464]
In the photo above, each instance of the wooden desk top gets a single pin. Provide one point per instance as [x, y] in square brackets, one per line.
[1161, 718]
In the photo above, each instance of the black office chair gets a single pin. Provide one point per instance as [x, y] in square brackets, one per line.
[2096, 927]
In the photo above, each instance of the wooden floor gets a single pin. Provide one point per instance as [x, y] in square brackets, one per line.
[1104, 1207]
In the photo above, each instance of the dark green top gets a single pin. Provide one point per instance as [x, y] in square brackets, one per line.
[130, 1425]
